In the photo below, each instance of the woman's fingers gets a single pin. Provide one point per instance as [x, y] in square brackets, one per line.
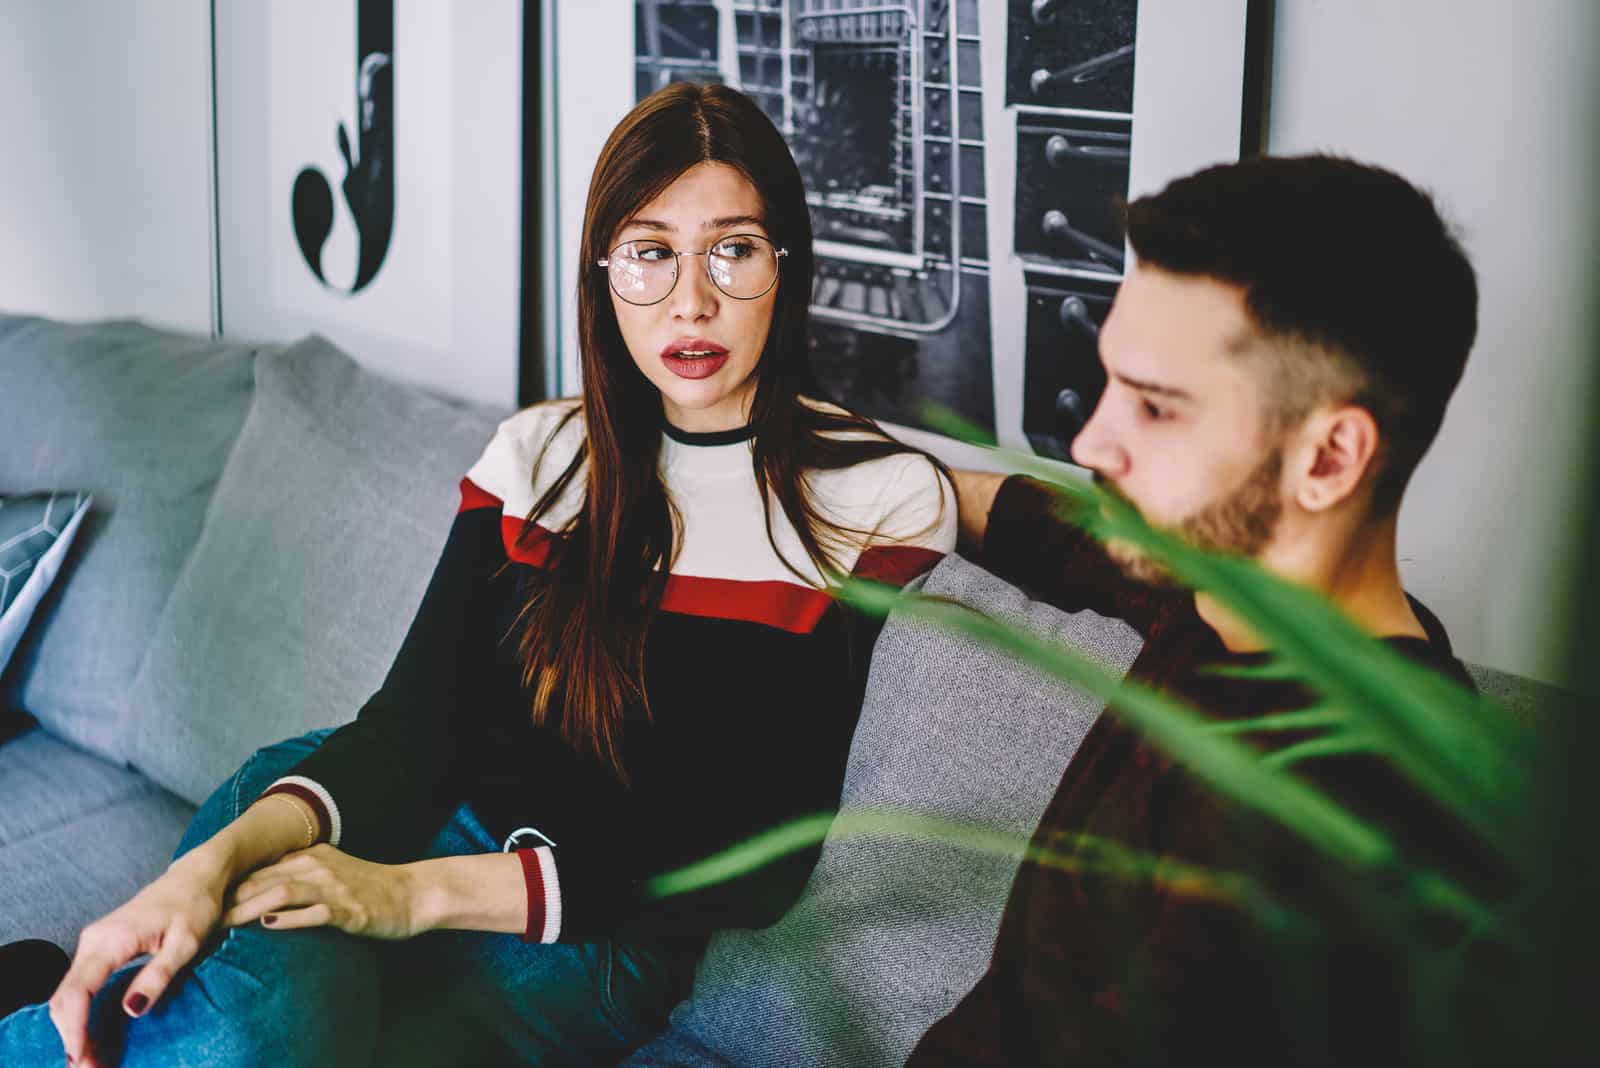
[355, 895]
[262, 879]
[248, 910]
[314, 916]
[178, 947]
[69, 1005]
[168, 919]
[69, 1011]
[251, 904]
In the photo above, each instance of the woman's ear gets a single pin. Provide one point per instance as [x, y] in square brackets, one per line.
[1339, 448]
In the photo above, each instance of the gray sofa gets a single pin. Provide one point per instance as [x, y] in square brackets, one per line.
[265, 520]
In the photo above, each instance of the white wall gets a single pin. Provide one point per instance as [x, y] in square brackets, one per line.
[105, 160]
[444, 310]
[1487, 104]
[106, 185]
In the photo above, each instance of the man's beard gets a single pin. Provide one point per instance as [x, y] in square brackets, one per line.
[1241, 523]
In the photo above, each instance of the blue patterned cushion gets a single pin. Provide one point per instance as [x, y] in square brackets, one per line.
[35, 531]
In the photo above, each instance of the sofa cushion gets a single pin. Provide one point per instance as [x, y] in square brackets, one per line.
[1531, 703]
[78, 837]
[890, 933]
[143, 420]
[36, 529]
[320, 541]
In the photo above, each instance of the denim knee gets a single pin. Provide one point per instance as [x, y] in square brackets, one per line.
[285, 998]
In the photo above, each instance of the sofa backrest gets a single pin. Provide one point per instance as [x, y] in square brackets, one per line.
[891, 932]
[144, 420]
[320, 539]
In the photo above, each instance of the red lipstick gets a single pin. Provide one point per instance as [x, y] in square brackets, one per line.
[694, 357]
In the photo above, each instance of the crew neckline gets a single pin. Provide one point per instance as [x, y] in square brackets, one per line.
[712, 437]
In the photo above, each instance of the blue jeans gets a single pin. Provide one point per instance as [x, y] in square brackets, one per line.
[323, 997]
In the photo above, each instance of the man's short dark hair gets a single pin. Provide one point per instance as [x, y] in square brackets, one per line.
[1352, 267]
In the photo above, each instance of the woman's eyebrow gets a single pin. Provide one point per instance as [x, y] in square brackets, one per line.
[733, 220]
[711, 224]
[720, 223]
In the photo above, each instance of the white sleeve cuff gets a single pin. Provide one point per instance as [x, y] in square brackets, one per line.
[335, 828]
[552, 894]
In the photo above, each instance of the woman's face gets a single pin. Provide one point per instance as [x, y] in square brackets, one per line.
[698, 346]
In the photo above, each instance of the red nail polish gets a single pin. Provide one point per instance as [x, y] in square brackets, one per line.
[137, 1004]
[269, 919]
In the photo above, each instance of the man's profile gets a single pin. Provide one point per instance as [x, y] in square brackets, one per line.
[1278, 361]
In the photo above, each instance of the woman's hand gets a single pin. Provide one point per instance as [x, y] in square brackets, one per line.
[323, 886]
[168, 919]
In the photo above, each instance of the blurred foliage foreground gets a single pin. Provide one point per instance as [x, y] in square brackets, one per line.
[1470, 755]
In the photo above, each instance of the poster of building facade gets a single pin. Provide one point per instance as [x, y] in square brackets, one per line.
[965, 163]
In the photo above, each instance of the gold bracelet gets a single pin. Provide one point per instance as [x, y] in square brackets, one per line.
[311, 827]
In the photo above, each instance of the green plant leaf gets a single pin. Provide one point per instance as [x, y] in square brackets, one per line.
[1459, 747]
[1306, 719]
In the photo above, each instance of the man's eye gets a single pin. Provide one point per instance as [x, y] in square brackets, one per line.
[1153, 412]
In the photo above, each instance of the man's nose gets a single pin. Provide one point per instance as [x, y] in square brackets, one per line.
[1096, 448]
[694, 297]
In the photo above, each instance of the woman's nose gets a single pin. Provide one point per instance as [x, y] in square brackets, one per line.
[694, 297]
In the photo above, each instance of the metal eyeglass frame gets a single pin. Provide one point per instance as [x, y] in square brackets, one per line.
[677, 269]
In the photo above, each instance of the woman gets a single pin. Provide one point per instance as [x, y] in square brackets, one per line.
[627, 659]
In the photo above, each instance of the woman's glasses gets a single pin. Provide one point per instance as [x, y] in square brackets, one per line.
[744, 266]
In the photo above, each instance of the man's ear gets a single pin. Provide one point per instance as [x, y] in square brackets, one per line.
[1339, 446]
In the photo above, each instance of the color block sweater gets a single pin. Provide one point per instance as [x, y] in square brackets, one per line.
[755, 679]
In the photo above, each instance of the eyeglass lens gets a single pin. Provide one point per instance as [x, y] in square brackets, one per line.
[743, 266]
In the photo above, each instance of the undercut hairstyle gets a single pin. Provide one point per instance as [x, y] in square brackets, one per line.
[1361, 291]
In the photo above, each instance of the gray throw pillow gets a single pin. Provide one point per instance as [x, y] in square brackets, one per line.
[35, 532]
[321, 538]
[890, 934]
[142, 419]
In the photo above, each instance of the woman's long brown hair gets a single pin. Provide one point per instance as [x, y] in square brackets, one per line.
[588, 611]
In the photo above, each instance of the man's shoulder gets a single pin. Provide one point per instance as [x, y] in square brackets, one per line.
[1030, 542]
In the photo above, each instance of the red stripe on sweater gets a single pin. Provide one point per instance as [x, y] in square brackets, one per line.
[785, 605]
[473, 496]
[534, 878]
[895, 564]
[788, 606]
[534, 549]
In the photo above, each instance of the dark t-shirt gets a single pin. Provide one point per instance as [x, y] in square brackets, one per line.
[1156, 966]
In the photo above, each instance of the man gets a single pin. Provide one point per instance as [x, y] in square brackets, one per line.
[1277, 362]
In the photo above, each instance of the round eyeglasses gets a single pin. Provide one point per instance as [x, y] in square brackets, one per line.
[744, 266]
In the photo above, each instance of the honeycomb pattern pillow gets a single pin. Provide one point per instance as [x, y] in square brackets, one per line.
[36, 530]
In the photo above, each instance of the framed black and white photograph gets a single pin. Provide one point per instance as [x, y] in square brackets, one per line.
[369, 183]
[965, 164]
